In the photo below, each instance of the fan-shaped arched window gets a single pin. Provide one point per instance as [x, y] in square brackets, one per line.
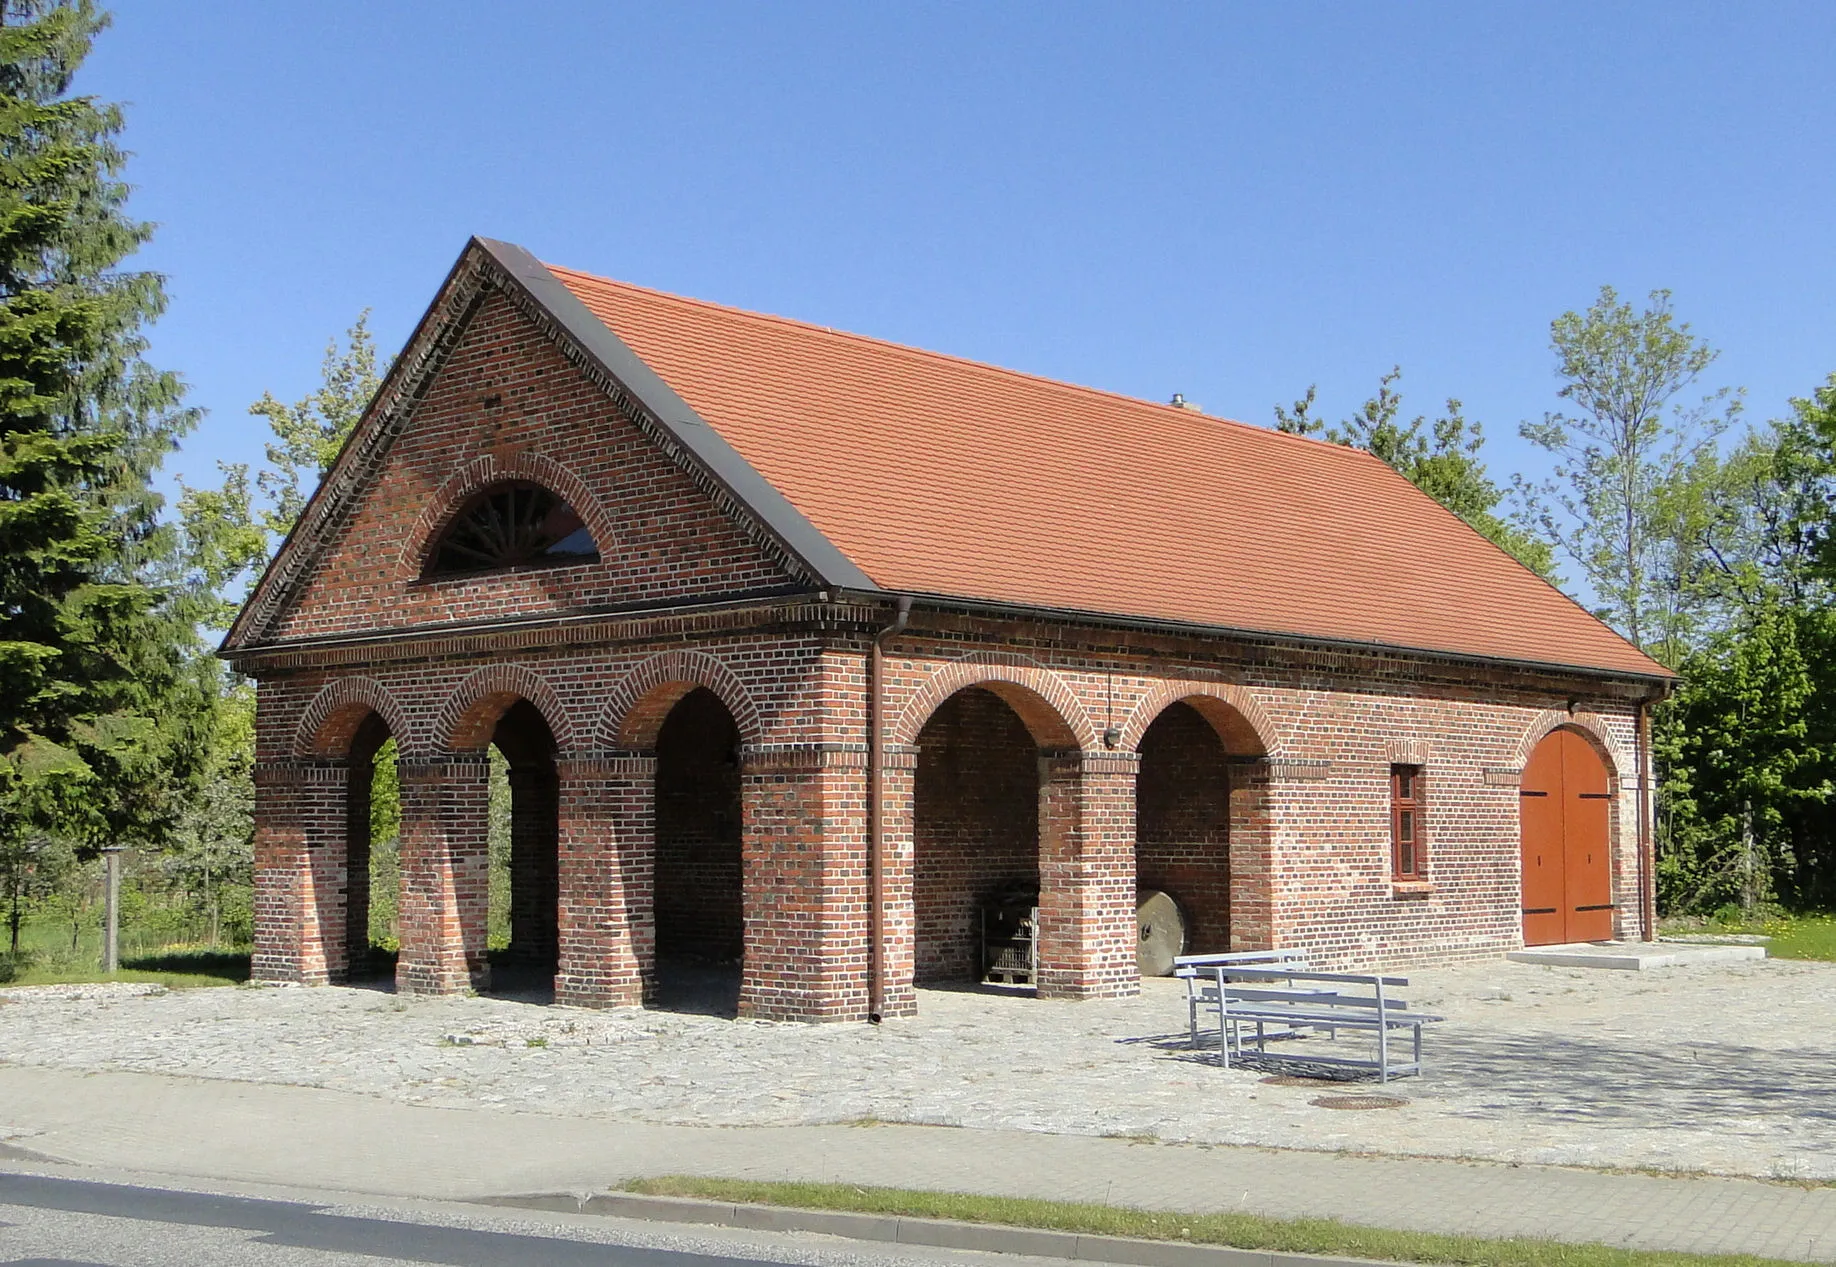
[511, 525]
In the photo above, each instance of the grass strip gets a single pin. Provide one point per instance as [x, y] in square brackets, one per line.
[176, 969]
[1238, 1231]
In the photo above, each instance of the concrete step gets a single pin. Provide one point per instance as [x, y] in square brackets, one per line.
[1633, 956]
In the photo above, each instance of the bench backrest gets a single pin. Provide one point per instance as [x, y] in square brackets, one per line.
[1248, 957]
[1254, 984]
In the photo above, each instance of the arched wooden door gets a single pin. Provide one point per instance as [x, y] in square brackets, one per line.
[1568, 885]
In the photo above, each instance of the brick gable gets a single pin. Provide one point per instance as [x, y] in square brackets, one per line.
[507, 404]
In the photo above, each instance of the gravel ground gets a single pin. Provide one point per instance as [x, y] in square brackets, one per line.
[1729, 1068]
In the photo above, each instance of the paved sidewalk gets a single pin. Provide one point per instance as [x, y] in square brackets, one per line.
[315, 1138]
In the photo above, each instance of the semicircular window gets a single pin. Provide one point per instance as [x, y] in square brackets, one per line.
[512, 525]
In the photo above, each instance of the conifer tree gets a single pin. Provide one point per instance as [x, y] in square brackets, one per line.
[100, 707]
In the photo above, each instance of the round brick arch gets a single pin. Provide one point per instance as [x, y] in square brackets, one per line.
[1588, 725]
[471, 712]
[1244, 727]
[331, 720]
[1051, 711]
[496, 468]
[634, 715]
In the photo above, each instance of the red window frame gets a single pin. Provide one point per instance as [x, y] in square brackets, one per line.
[1408, 834]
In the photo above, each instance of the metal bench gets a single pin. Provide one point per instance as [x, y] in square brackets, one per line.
[1197, 971]
[1283, 1000]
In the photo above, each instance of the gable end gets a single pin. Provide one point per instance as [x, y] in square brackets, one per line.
[736, 489]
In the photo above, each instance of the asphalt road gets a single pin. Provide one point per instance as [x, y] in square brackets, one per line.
[48, 1221]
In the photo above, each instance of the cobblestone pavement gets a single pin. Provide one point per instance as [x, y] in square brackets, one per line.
[1727, 1068]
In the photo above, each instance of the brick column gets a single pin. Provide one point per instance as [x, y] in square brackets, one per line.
[804, 846]
[607, 912]
[901, 922]
[1087, 930]
[1252, 857]
[534, 862]
[445, 869]
[300, 873]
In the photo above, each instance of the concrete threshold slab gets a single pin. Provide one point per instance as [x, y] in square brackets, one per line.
[987, 1238]
[1633, 956]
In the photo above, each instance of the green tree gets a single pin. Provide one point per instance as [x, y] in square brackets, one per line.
[1748, 750]
[98, 703]
[309, 432]
[1615, 506]
[228, 532]
[213, 850]
[1747, 747]
[1440, 457]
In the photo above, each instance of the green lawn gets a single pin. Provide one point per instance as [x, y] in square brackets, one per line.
[48, 957]
[1241, 1231]
[1793, 936]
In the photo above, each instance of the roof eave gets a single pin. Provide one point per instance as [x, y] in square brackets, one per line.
[1662, 681]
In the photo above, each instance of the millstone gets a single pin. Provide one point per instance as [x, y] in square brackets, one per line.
[1163, 932]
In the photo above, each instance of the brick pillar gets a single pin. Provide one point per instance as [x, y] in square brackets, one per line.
[1252, 857]
[1087, 930]
[607, 908]
[300, 873]
[534, 878]
[803, 811]
[445, 870]
[901, 923]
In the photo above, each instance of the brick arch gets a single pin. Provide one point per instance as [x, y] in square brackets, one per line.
[634, 715]
[1589, 726]
[1239, 718]
[331, 720]
[472, 710]
[493, 468]
[1051, 710]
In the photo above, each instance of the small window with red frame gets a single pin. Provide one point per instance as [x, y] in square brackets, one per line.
[1408, 841]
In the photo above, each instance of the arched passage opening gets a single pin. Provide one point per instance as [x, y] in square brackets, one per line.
[699, 885]
[975, 842]
[351, 815]
[503, 827]
[1566, 807]
[373, 835]
[1182, 840]
[1199, 833]
[524, 887]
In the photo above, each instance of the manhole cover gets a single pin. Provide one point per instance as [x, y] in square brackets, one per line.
[1358, 1102]
[1296, 1080]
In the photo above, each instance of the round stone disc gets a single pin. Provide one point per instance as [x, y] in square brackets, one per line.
[1163, 932]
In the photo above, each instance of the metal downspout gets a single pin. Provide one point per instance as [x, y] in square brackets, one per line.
[876, 816]
[1647, 889]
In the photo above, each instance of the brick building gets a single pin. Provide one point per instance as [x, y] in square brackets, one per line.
[802, 646]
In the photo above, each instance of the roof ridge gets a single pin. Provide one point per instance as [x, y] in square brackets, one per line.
[1188, 415]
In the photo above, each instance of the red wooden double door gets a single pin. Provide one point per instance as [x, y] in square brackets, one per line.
[1568, 883]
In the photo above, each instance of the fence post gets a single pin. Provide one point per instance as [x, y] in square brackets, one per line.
[111, 909]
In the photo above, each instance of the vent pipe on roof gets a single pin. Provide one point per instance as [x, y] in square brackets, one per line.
[1179, 401]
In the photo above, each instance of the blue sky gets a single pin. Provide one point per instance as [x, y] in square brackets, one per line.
[1228, 201]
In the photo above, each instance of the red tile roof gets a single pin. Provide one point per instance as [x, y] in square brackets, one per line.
[940, 476]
